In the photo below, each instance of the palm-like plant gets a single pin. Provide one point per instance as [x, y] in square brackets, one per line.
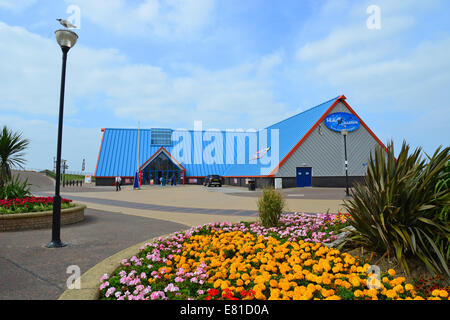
[398, 210]
[12, 147]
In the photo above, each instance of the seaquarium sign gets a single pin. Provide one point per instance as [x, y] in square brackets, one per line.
[341, 120]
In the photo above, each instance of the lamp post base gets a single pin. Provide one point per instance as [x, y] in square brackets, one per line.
[56, 244]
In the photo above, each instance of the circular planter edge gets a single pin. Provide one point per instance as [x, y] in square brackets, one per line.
[40, 220]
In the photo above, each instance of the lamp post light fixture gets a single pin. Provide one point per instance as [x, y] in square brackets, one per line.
[66, 40]
[344, 132]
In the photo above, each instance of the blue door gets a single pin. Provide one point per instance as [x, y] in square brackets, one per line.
[304, 177]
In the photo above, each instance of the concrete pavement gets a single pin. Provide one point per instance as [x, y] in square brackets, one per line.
[117, 223]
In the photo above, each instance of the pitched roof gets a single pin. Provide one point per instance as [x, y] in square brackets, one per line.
[118, 151]
[294, 128]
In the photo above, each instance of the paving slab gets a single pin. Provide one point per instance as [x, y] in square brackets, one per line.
[31, 271]
[199, 198]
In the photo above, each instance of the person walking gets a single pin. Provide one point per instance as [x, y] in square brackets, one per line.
[118, 181]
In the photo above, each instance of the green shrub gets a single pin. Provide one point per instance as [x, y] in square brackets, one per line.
[14, 188]
[398, 209]
[270, 207]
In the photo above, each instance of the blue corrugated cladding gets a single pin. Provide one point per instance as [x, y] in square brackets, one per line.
[293, 129]
[118, 154]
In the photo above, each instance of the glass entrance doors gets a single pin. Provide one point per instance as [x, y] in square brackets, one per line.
[162, 171]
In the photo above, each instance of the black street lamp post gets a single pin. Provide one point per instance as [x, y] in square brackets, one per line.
[344, 132]
[66, 39]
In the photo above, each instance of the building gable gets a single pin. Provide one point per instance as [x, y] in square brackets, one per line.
[323, 149]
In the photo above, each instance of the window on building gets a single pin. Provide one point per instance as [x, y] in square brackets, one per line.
[162, 137]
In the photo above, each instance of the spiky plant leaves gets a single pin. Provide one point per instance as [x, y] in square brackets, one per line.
[399, 209]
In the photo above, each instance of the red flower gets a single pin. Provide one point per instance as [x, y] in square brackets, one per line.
[213, 292]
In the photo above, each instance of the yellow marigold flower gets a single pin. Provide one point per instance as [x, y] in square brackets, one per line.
[355, 282]
[391, 272]
[273, 283]
[217, 283]
[297, 296]
[443, 294]
[346, 284]
[324, 293]
[358, 293]
[372, 292]
[399, 288]
[408, 287]
[435, 292]
[245, 276]
[311, 288]
[274, 294]
[333, 297]
[398, 280]
[239, 282]
[260, 296]
[391, 294]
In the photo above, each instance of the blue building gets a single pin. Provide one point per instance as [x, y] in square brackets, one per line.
[306, 149]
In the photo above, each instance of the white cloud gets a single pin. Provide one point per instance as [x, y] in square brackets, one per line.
[16, 5]
[31, 66]
[171, 19]
[393, 72]
[238, 96]
[351, 38]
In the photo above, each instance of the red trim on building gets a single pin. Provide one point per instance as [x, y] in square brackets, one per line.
[157, 153]
[124, 177]
[342, 99]
[365, 126]
[99, 151]
[266, 176]
[306, 135]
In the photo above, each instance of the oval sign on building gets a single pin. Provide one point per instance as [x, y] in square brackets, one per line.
[342, 120]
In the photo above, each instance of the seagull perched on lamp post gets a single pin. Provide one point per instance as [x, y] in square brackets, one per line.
[66, 24]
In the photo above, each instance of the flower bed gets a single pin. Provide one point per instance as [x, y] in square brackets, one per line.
[30, 204]
[246, 261]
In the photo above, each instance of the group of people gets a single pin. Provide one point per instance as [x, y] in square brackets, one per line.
[118, 182]
[173, 181]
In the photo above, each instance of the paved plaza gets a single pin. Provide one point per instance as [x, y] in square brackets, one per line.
[115, 221]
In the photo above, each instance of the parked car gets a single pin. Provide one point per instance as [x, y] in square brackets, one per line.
[213, 180]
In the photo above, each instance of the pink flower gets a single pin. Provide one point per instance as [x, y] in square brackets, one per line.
[171, 288]
[104, 277]
[104, 285]
[110, 291]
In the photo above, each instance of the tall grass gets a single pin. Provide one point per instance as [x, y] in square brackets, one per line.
[270, 207]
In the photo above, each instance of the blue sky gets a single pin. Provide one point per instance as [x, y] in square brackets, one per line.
[231, 64]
